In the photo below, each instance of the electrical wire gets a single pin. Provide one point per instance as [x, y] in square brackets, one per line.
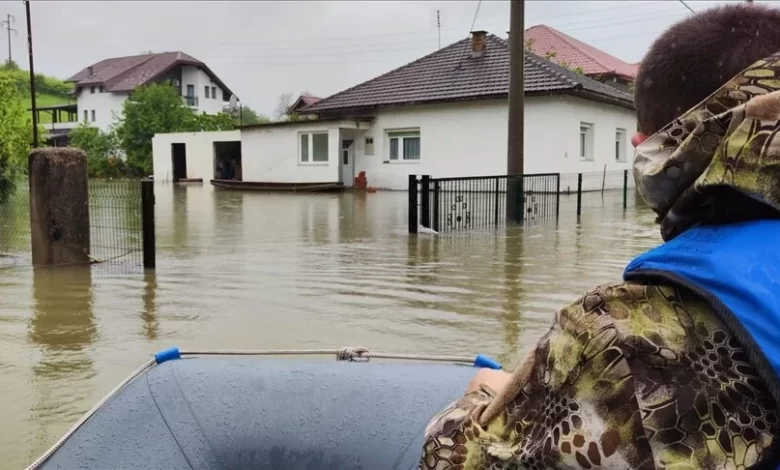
[686, 6]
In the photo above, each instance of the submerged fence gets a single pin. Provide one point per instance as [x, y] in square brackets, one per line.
[121, 219]
[452, 204]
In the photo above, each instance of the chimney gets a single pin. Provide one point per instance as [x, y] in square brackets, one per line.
[478, 43]
[90, 71]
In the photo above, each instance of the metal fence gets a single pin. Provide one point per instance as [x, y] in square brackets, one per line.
[14, 222]
[121, 218]
[463, 203]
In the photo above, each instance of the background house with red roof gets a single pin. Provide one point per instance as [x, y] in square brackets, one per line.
[444, 114]
[572, 53]
[102, 88]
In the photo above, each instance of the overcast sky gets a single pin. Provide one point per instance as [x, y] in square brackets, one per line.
[262, 49]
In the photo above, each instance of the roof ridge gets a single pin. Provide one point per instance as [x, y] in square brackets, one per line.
[121, 75]
[408, 64]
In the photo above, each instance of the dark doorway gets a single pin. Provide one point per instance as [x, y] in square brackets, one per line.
[227, 161]
[179, 157]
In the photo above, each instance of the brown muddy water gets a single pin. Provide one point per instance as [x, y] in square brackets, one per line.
[241, 270]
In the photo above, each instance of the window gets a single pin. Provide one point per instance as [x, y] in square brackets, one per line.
[190, 91]
[404, 145]
[313, 147]
[620, 145]
[101, 89]
[586, 141]
[93, 115]
[214, 92]
[92, 90]
[206, 91]
[86, 115]
[369, 146]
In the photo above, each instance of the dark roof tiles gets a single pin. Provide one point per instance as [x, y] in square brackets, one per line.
[126, 73]
[454, 73]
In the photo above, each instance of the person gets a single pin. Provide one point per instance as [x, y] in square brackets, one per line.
[677, 366]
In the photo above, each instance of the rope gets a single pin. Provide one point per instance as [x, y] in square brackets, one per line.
[89, 414]
[351, 354]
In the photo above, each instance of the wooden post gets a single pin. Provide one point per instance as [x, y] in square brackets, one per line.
[147, 220]
[59, 206]
[579, 194]
[515, 129]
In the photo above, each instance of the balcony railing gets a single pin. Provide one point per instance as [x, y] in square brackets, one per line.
[191, 101]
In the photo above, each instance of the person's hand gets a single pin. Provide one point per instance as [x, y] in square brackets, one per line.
[495, 379]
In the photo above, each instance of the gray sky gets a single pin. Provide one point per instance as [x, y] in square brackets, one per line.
[262, 49]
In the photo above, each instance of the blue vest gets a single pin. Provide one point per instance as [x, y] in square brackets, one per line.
[736, 268]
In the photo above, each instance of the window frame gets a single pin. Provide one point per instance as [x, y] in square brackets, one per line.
[585, 150]
[92, 90]
[86, 115]
[401, 135]
[310, 148]
[93, 115]
[214, 92]
[369, 148]
[620, 145]
[207, 91]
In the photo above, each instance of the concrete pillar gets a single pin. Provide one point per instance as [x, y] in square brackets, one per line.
[59, 206]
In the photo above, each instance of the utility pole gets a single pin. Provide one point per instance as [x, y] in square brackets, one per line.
[514, 165]
[32, 74]
[6, 23]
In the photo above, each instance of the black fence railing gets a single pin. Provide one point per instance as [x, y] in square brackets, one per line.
[449, 204]
[464, 203]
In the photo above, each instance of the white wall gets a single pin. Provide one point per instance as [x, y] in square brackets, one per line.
[270, 154]
[200, 153]
[105, 105]
[469, 139]
[199, 78]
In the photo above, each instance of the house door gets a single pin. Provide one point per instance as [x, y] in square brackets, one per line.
[347, 163]
[179, 160]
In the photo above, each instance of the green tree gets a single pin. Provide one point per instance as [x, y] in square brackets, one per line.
[211, 122]
[15, 135]
[101, 148]
[248, 116]
[151, 110]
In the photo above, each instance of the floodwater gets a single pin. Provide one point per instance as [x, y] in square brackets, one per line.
[248, 270]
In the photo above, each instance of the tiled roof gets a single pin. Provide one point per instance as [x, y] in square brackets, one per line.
[126, 73]
[544, 39]
[452, 73]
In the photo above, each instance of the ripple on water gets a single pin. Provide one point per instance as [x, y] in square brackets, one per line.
[278, 271]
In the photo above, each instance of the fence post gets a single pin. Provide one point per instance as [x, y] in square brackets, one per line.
[557, 195]
[147, 223]
[412, 203]
[579, 194]
[498, 182]
[425, 201]
[520, 199]
[59, 206]
[625, 189]
[435, 206]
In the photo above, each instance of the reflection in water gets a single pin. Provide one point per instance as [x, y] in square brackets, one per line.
[62, 326]
[511, 314]
[148, 316]
[270, 270]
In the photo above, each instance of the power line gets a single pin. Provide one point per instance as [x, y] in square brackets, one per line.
[686, 6]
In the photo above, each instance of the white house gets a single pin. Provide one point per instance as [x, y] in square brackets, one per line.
[102, 88]
[444, 115]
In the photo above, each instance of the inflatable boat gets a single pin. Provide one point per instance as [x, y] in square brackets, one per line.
[242, 409]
